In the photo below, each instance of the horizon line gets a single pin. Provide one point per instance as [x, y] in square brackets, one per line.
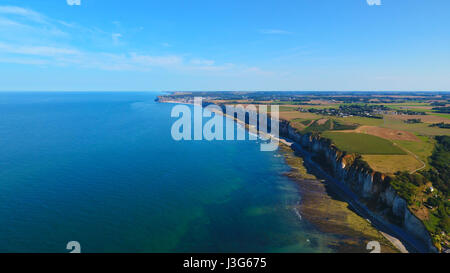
[340, 91]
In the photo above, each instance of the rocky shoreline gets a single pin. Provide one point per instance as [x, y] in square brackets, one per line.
[329, 213]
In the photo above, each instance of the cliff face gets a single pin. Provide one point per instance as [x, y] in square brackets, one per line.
[370, 187]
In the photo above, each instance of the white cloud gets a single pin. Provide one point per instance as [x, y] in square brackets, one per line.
[23, 61]
[30, 38]
[147, 60]
[22, 12]
[374, 2]
[60, 56]
[274, 31]
[74, 2]
[9, 23]
[36, 50]
[116, 37]
[202, 62]
[20, 23]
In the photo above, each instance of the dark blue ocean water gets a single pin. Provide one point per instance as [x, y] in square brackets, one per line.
[102, 169]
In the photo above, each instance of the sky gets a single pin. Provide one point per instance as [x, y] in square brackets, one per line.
[136, 45]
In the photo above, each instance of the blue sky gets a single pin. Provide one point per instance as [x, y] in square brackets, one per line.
[224, 45]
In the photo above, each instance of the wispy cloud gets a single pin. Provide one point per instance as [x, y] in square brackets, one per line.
[164, 61]
[116, 37]
[9, 23]
[22, 12]
[36, 50]
[18, 23]
[74, 2]
[274, 31]
[374, 2]
[30, 38]
[202, 62]
[12, 60]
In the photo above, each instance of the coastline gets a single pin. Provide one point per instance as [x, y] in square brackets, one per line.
[331, 213]
[335, 215]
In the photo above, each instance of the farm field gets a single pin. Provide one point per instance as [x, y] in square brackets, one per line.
[389, 164]
[288, 108]
[363, 144]
[442, 115]
[419, 107]
[423, 118]
[422, 148]
[298, 115]
[386, 133]
[417, 128]
[360, 120]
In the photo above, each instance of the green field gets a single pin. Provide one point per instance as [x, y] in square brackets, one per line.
[360, 120]
[412, 108]
[287, 108]
[363, 144]
[416, 128]
[423, 148]
[442, 115]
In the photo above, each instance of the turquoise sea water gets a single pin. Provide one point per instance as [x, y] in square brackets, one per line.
[102, 169]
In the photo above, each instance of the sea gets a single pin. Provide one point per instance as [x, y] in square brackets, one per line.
[102, 169]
